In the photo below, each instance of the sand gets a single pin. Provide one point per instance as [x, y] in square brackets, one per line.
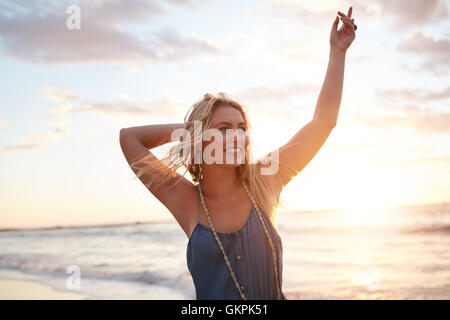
[31, 290]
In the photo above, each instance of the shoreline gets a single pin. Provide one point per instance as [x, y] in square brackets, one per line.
[122, 224]
[13, 289]
[108, 225]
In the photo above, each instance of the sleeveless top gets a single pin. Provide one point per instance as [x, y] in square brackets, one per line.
[250, 258]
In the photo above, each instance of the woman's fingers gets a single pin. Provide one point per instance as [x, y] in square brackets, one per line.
[346, 20]
[347, 23]
[348, 15]
[343, 16]
[335, 23]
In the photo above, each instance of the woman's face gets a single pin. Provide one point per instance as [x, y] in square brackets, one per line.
[233, 147]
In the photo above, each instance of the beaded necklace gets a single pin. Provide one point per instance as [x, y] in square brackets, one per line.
[269, 241]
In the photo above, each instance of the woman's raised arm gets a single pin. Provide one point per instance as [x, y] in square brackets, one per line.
[303, 146]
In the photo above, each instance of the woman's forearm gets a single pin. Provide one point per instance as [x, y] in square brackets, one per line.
[151, 136]
[327, 107]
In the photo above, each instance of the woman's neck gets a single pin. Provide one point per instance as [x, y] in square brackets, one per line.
[218, 181]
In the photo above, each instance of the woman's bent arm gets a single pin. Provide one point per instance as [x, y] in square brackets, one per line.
[151, 136]
[176, 192]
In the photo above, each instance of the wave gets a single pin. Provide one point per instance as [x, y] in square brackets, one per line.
[30, 265]
[428, 229]
[89, 226]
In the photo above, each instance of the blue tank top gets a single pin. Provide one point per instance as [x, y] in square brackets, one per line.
[250, 258]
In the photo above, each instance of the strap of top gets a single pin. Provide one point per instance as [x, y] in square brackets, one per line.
[198, 203]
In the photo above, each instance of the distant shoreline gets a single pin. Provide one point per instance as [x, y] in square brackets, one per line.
[168, 221]
[84, 226]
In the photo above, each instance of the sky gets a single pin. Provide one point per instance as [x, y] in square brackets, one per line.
[66, 93]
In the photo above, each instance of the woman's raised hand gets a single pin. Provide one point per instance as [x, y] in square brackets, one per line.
[342, 38]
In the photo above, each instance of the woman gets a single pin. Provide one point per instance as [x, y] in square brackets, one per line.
[229, 211]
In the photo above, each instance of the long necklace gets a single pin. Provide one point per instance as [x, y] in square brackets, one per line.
[269, 240]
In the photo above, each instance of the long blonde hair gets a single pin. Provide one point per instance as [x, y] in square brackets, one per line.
[176, 158]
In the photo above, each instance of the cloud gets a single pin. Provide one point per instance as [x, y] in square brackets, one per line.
[402, 13]
[59, 122]
[57, 93]
[411, 95]
[276, 103]
[308, 13]
[427, 159]
[273, 102]
[435, 52]
[32, 141]
[66, 103]
[401, 109]
[37, 32]
[55, 134]
[410, 13]
[21, 147]
[423, 120]
[165, 107]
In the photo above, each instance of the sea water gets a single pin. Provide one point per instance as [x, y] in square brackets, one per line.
[401, 253]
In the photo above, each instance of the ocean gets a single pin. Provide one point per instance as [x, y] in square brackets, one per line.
[401, 253]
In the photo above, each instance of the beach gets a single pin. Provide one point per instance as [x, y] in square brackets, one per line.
[31, 290]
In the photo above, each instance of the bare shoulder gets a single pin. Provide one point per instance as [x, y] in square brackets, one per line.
[271, 180]
[183, 204]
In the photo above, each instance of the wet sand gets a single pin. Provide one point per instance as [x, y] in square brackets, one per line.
[31, 290]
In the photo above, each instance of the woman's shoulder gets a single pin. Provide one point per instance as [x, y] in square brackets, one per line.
[270, 178]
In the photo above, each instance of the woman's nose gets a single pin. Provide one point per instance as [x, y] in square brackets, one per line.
[235, 139]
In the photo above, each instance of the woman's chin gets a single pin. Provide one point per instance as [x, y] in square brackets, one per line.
[235, 160]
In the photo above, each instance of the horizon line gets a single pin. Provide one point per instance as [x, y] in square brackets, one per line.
[102, 225]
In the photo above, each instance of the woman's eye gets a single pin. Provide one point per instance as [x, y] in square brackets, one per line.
[241, 131]
[224, 129]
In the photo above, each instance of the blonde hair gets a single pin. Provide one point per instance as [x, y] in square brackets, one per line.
[175, 158]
